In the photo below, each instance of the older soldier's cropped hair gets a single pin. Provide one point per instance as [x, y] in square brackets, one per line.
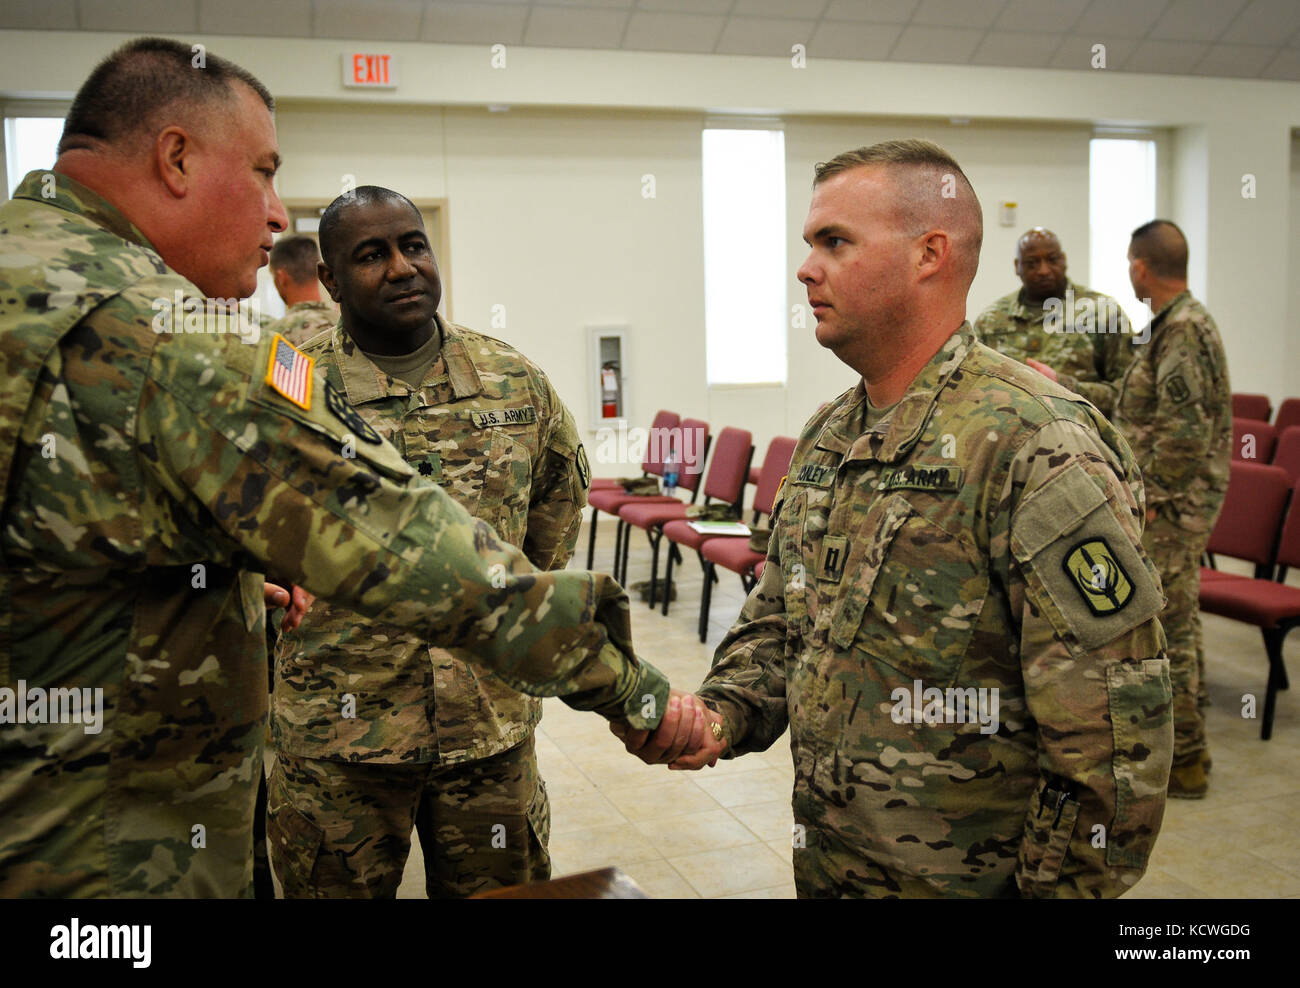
[1161, 244]
[144, 86]
[296, 256]
[932, 191]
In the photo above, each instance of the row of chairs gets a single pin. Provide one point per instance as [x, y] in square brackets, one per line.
[1254, 406]
[664, 517]
[1255, 441]
[1260, 523]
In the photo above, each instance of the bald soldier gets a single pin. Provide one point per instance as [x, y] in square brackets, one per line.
[1175, 409]
[156, 463]
[434, 744]
[1077, 337]
[293, 271]
[956, 620]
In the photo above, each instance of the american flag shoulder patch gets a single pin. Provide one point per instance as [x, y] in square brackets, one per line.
[289, 372]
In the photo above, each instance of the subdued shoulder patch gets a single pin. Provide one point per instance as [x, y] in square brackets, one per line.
[289, 372]
[349, 416]
[1081, 568]
[1100, 578]
[1177, 390]
[584, 468]
[524, 415]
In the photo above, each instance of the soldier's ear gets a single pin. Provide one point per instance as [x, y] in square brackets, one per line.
[172, 149]
[326, 277]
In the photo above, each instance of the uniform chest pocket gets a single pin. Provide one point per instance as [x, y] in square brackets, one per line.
[915, 597]
[489, 473]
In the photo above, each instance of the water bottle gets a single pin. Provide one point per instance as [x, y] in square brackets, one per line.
[672, 470]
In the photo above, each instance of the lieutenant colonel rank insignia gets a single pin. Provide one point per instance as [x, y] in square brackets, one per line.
[289, 372]
[1099, 577]
[348, 415]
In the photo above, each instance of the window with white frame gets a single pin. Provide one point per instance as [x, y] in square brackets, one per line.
[744, 256]
[30, 143]
[1121, 197]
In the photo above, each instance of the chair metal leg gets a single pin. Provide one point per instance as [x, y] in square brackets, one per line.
[1273, 638]
[706, 598]
[591, 539]
[654, 537]
[668, 576]
[627, 538]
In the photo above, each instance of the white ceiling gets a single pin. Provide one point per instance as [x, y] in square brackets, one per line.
[1255, 39]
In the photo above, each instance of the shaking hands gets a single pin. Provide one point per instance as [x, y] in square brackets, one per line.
[685, 739]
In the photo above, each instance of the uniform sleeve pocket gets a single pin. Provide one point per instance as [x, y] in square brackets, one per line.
[1049, 830]
[1140, 699]
[1081, 568]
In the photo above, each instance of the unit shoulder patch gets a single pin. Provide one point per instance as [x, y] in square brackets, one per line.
[1098, 575]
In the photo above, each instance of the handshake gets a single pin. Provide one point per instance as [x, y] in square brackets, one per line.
[690, 735]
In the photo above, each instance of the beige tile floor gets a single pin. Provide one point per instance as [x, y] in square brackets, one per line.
[725, 832]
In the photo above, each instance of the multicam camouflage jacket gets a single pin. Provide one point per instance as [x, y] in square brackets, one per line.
[151, 480]
[302, 321]
[1087, 340]
[1175, 409]
[958, 624]
[487, 426]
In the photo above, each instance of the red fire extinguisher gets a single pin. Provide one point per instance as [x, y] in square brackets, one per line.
[609, 390]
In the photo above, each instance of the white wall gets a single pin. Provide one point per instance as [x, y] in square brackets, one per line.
[546, 215]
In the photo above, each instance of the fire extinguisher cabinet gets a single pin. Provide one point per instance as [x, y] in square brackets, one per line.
[607, 349]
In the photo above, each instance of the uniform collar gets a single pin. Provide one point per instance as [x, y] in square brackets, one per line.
[1168, 307]
[363, 381]
[72, 196]
[889, 440]
[308, 306]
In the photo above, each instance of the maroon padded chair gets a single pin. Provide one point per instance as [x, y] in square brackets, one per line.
[731, 551]
[612, 497]
[725, 483]
[1257, 492]
[1287, 453]
[1251, 406]
[1254, 437]
[691, 472]
[1288, 415]
[1271, 606]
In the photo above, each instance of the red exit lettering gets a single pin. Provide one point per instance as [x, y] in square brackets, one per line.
[371, 70]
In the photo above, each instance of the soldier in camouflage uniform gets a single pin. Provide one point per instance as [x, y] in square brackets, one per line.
[152, 478]
[293, 270]
[433, 743]
[1175, 409]
[1081, 335]
[956, 619]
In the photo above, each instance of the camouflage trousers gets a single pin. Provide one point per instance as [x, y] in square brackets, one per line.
[343, 830]
[1176, 553]
[830, 868]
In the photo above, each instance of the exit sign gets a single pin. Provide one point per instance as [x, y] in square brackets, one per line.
[369, 70]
